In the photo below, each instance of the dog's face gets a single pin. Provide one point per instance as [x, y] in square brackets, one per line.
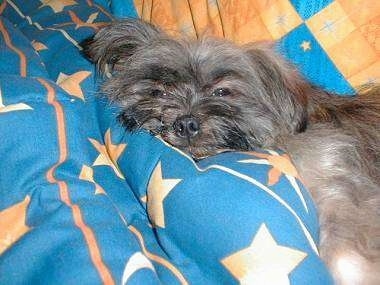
[203, 96]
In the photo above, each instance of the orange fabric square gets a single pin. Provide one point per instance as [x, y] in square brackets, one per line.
[162, 15]
[144, 9]
[235, 16]
[368, 76]
[280, 18]
[235, 20]
[159, 13]
[206, 18]
[254, 30]
[331, 25]
[371, 32]
[353, 54]
[263, 5]
[360, 11]
[182, 14]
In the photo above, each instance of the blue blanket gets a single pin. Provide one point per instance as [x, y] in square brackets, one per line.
[84, 201]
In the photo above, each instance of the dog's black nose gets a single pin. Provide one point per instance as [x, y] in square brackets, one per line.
[186, 126]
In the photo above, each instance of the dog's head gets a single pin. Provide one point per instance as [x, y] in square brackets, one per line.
[201, 96]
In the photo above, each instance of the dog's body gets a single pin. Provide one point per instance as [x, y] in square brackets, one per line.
[338, 158]
[209, 96]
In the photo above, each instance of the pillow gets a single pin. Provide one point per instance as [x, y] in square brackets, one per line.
[231, 217]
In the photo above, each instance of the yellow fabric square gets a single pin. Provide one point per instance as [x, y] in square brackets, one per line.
[280, 18]
[361, 11]
[353, 54]
[368, 76]
[331, 25]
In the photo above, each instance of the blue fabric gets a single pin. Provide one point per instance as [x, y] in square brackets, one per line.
[81, 199]
[315, 64]
[306, 9]
[123, 8]
[119, 8]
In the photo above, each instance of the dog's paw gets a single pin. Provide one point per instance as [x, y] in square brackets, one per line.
[350, 268]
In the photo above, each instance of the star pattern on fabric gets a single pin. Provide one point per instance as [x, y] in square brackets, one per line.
[12, 107]
[144, 199]
[281, 20]
[87, 174]
[88, 23]
[328, 26]
[135, 263]
[264, 261]
[2, 6]
[13, 224]
[306, 45]
[71, 83]
[372, 81]
[158, 189]
[109, 153]
[57, 5]
[38, 46]
[281, 164]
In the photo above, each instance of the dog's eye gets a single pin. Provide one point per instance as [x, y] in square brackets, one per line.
[114, 59]
[221, 92]
[157, 93]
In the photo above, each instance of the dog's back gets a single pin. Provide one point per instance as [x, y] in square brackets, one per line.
[368, 121]
[358, 117]
[341, 166]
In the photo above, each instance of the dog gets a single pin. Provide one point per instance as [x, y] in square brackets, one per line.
[210, 96]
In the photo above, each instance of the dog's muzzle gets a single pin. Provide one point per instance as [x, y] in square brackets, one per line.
[186, 127]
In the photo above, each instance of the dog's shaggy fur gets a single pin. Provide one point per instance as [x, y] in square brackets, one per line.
[210, 95]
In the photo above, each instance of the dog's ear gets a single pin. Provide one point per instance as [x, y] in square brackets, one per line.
[115, 43]
[282, 84]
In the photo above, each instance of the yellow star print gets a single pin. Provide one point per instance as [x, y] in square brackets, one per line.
[281, 164]
[89, 23]
[12, 107]
[38, 46]
[306, 45]
[264, 261]
[109, 153]
[158, 189]
[57, 5]
[71, 83]
[87, 174]
[13, 224]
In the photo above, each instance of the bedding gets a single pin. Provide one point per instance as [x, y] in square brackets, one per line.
[84, 201]
[335, 43]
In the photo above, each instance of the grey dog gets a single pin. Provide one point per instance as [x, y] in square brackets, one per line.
[210, 95]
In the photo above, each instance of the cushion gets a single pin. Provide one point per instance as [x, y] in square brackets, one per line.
[82, 200]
